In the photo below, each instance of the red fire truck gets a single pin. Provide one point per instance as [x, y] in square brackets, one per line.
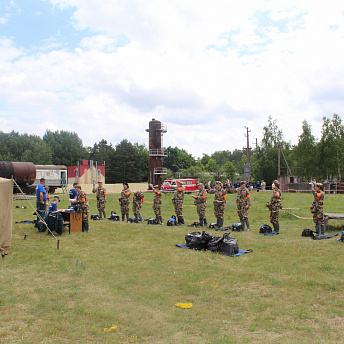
[189, 184]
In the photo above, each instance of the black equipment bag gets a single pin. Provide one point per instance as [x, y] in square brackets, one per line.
[194, 224]
[198, 240]
[214, 244]
[237, 227]
[95, 217]
[172, 221]
[265, 229]
[212, 225]
[133, 220]
[307, 233]
[55, 222]
[39, 224]
[114, 216]
[228, 245]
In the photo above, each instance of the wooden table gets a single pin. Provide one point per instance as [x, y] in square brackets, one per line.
[332, 216]
[74, 219]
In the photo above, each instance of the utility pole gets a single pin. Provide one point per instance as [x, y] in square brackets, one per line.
[247, 166]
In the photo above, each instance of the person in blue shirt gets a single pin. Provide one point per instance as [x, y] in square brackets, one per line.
[73, 194]
[53, 205]
[41, 195]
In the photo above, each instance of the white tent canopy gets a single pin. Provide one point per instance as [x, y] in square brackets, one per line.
[6, 212]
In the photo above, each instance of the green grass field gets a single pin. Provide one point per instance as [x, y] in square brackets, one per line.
[120, 282]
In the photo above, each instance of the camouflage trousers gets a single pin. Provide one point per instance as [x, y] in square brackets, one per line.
[178, 208]
[85, 212]
[101, 206]
[219, 210]
[318, 217]
[136, 210]
[201, 210]
[125, 209]
[274, 217]
[157, 209]
[242, 213]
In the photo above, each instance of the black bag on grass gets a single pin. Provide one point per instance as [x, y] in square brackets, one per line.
[237, 227]
[55, 222]
[39, 224]
[307, 233]
[214, 244]
[228, 245]
[198, 240]
[95, 217]
[114, 216]
[265, 229]
[172, 221]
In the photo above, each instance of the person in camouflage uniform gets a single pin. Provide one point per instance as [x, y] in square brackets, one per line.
[124, 201]
[101, 198]
[138, 199]
[201, 204]
[177, 200]
[317, 208]
[219, 204]
[275, 205]
[243, 203]
[82, 204]
[157, 205]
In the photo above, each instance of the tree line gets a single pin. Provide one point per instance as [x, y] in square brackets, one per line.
[311, 158]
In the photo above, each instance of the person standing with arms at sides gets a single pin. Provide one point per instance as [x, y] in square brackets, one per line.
[201, 204]
[157, 204]
[243, 204]
[82, 203]
[263, 185]
[275, 205]
[177, 200]
[317, 207]
[219, 204]
[41, 195]
[124, 201]
[101, 198]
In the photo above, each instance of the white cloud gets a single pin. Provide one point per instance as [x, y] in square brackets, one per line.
[206, 69]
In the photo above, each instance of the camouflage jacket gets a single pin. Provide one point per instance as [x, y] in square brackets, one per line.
[243, 197]
[178, 194]
[276, 198]
[201, 197]
[124, 199]
[100, 193]
[220, 197]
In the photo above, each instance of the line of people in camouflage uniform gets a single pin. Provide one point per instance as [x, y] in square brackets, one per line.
[243, 203]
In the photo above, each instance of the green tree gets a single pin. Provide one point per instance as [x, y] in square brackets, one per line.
[178, 159]
[40, 155]
[66, 147]
[331, 147]
[129, 163]
[266, 159]
[229, 170]
[305, 153]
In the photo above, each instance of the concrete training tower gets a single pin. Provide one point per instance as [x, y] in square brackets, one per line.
[156, 152]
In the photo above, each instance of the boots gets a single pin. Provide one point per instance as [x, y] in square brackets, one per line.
[243, 225]
[100, 214]
[180, 220]
[317, 230]
[160, 218]
[127, 215]
[157, 219]
[248, 225]
[276, 227]
[141, 218]
[220, 223]
[85, 226]
[201, 222]
[123, 217]
[104, 214]
[205, 222]
[322, 227]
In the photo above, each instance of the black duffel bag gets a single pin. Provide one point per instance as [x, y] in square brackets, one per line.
[198, 240]
[228, 245]
[214, 244]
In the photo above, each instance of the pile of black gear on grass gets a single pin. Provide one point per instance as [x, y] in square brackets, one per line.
[204, 241]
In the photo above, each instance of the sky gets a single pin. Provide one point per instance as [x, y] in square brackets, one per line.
[206, 69]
